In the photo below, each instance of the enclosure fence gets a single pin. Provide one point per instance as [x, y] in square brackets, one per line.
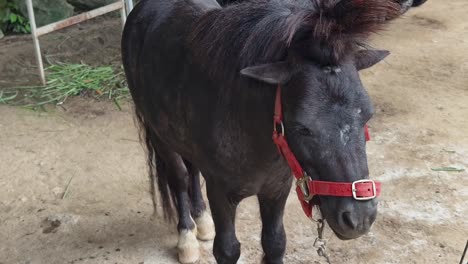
[125, 6]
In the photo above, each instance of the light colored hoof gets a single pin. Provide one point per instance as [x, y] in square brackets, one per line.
[205, 227]
[187, 247]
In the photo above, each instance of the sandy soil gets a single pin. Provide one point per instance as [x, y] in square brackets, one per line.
[421, 97]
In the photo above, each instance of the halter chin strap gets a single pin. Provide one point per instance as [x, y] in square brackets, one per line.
[306, 188]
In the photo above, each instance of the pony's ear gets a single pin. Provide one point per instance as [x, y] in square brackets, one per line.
[272, 73]
[368, 58]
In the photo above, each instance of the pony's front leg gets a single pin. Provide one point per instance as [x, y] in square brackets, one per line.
[273, 236]
[226, 247]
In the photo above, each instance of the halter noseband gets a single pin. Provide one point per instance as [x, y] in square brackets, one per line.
[306, 188]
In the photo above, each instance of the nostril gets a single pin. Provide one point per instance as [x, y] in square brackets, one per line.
[348, 220]
[418, 2]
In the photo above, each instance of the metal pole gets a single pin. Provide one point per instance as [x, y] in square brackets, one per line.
[129, 6]
[79, 18]
[123, 14]
[37, 48]
[464, 253]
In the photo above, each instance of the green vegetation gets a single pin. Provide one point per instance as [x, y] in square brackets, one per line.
[11, 19]
[449, 169]
[66, 80]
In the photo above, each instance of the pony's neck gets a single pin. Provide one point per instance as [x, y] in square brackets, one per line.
[253, 107]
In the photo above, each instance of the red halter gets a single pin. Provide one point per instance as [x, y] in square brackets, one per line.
[307, 188]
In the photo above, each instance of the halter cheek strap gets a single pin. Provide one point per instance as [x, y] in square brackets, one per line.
[306, 188]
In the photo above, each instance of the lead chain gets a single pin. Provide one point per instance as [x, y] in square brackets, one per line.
[321, 244]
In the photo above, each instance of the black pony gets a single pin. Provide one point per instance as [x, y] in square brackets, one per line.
[203, 81]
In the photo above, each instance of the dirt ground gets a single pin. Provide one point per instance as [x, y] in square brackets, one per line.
[421, 96]
[96, 42]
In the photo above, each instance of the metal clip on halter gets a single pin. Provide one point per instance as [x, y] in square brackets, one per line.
[279, 124]
[303, 184]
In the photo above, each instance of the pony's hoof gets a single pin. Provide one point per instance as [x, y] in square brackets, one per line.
[188, 247]
[205, 227]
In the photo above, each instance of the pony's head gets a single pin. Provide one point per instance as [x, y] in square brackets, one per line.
[325, 105]
[314, 49]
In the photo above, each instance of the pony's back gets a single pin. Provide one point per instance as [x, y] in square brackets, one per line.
[150, 49]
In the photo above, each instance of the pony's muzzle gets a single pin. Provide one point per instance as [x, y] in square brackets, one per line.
[347, 217]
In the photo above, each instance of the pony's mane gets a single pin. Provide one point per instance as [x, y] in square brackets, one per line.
[226, 40]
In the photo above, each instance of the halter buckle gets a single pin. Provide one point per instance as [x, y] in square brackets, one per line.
[303, 184]
[364, 198]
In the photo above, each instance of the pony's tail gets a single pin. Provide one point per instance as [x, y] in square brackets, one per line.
[157, 171]
[132, 47]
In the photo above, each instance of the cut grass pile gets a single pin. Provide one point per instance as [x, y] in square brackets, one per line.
[66, 80]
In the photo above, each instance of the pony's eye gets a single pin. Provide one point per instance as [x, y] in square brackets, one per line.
[302, 130]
